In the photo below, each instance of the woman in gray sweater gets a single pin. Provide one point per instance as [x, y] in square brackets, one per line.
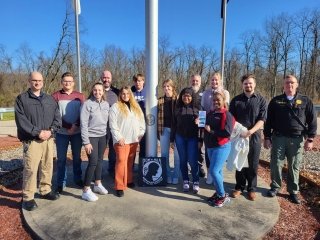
[94, 119]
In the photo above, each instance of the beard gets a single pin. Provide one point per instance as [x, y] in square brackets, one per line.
[195, 88]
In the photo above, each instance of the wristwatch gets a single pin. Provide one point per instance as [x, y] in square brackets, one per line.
[310, 140]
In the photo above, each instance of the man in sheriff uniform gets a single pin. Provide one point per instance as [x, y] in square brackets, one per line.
[291, 117]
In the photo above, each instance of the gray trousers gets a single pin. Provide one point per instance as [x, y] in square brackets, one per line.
[292, 149]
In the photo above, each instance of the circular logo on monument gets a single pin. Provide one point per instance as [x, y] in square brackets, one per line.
[152, 172]
[150, 120]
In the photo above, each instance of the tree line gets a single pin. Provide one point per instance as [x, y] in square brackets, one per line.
[285, 44]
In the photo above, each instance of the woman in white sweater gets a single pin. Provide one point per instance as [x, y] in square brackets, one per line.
[127, 126]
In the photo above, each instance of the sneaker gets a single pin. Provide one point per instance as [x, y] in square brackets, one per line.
[186, 186]
[89, 196]
[202, 173]
[213, 198]
[272, 192]
[169, 180]
[100, 189]
[209, 179]
[196, 187]
[175, 181]
[221, 201]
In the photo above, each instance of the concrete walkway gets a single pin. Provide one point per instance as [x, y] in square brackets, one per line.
[153, 213]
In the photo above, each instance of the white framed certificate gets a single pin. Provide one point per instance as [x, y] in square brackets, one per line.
[202, 118]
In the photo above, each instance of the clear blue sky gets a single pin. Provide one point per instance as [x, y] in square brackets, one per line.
[121, 22]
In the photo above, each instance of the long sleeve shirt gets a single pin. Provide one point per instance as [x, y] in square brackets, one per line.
[94, 119]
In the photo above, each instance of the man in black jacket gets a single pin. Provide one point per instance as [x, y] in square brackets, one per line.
[111, 96]
[291, 117]
[37, 118]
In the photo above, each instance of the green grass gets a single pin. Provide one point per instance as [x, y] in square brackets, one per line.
[8, 116]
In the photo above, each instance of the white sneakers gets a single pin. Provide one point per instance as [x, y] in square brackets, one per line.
[209, 179]
[196, 187]
[186, 186]
[89, 196]
[100, 189]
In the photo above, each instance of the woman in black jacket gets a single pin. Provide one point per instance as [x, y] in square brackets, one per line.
[185, 132]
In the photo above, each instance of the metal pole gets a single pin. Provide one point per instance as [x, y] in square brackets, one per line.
[78, 44]
[151, 76]
[224, 20]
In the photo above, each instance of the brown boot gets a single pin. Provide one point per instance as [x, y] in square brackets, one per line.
[235, 193]
[252, 196]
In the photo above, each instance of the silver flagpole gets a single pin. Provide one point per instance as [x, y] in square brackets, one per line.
[76, 4]
[151, 76]
[224, 19]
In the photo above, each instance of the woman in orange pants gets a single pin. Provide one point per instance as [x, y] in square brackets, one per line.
[127, 126]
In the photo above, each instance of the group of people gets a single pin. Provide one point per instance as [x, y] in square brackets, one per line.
[115, 118]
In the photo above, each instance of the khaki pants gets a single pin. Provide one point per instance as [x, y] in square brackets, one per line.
[37, 155]
[124, 164]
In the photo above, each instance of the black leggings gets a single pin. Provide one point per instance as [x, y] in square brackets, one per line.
[94, 167]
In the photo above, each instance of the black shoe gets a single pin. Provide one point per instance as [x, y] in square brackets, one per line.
[202, 173]
[120, 193]
[51, 196]
[30, 205]
[131, 185]
[272, 192]
[294, 198]
[59, 189]
[79, 183]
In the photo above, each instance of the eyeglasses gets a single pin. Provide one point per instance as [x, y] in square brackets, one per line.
[36, 81]
[67, 82]
[186, 96]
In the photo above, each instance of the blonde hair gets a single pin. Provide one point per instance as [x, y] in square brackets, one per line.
[171, 84]
[134, 106]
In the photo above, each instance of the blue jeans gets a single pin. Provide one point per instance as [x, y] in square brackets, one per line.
[188, 153]
[218, 156]
[62, 143]
[165, 150]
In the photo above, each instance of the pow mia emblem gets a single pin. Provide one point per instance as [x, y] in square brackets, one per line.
[150, 120]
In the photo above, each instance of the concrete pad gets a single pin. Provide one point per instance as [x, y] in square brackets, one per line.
[153, 213]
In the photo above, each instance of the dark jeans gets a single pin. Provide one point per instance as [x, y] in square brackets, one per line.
[142, 150]
[111, 153]
[249, 174]
[203, 156]
[188, 149]
[94, 167]
[62, 143]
